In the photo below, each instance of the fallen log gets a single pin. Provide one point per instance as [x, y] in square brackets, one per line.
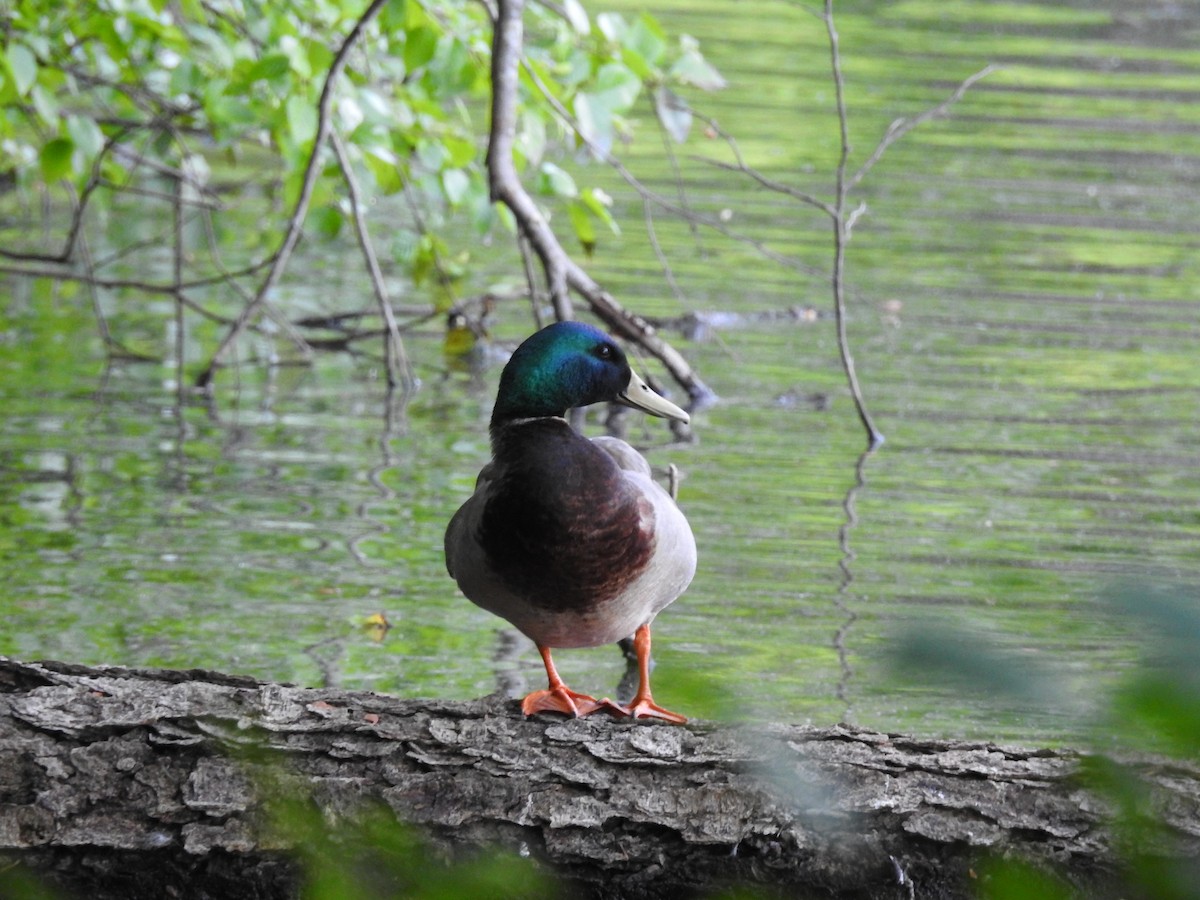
[150, 783]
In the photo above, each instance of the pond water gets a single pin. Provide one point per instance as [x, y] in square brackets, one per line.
[1024, 290]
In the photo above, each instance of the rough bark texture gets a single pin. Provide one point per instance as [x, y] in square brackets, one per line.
[135, 783]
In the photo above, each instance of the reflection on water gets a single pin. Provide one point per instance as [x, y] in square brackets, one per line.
[1024, 318]
[846, 567]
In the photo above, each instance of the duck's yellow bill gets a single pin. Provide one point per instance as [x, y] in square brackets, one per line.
[638, 395]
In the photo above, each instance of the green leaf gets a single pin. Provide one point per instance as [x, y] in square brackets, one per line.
[276, 65]
[598, 203]
[459, 151]
[22, 65]
[585, 229]
[425, 260]
[612, 26]
[320, 57]
[376, 108]
[185, 78]
[420, 47]
[297, 55]
[456, 69]
[647, 39]
[349, 113]
[432, 154]
[531, 137]
[638, 65]
[384, 168]
[457, 184]
[505, 217]
[56, 158]
[301, 119]
[595, 122]
[328, 220]
[86, 135]
[597, 110]
[692, 68]
[577, 17]
[553, 180]
[674, 114]
[617, 86]
[45, 103]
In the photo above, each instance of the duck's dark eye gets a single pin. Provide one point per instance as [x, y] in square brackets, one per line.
[604, 351]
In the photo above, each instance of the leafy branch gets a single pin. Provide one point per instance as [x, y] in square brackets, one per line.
[138, 95]
[174, 103]
[561, 272]
[311, 170]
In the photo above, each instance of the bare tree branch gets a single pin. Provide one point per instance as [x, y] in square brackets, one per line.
[659, 253]
[177, 254]
[504, 182]
[230, 279]
[841, 234]
[133, 284]
[530, 277]
[79, 207]
[183, 775]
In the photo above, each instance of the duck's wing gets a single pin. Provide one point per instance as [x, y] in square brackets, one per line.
[623, 455]
[673, 563]
[460, 532]
[674, 560]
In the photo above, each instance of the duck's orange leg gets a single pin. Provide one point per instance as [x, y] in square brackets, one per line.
[561, 699]
[643, 704]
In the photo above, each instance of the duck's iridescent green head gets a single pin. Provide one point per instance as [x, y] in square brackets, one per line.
[570, 364]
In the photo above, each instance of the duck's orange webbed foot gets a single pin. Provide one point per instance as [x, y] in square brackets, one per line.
[646, 708]
[643, 706]
[561, 699]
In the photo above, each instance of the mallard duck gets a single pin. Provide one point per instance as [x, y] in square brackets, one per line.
[570, 539]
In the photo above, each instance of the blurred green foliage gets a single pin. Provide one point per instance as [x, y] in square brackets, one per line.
[368, 857]
[1155, 708]
[373, 857]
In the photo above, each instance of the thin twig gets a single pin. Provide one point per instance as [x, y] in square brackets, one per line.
[79, 206]
[902, 126]
[769, 183]
[841, 234]
[676, 173]
[845, 566]
[177, 281]
[399, 371]
[165, 197]
[660, 254]
[83, 254]
[530, 277]
[311, 171]
[133, 284]
[229, 279]
[855, 214]
[137, 160]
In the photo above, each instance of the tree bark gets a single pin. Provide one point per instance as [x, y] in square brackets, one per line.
[135, 783]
